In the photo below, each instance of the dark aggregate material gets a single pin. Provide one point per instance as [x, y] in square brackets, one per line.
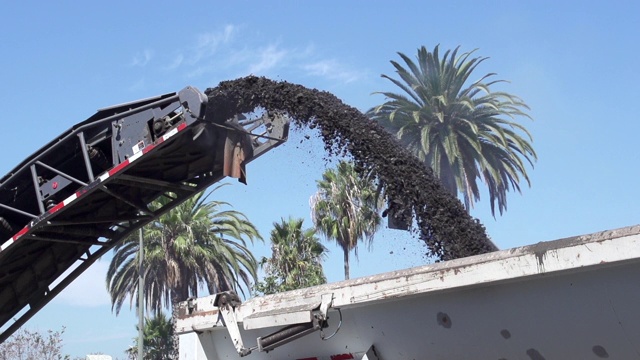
[410, 187]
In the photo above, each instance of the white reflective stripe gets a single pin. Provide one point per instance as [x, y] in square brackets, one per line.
[170, 134]
[135, 156]
[6, 244]
[104, 176]
[70, 199]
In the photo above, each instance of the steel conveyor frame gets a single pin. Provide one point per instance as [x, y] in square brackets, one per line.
[81, 194]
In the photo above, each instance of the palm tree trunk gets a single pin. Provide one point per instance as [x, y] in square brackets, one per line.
[175, 353]
[346, 263]
[177, 295]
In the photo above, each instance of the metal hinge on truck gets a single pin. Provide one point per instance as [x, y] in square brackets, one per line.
[296, 323]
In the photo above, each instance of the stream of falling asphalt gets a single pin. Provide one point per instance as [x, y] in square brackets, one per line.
[410, 188]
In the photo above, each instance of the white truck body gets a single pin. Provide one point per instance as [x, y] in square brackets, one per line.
[574, 298]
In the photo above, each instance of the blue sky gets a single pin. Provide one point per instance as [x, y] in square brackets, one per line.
[574, 63]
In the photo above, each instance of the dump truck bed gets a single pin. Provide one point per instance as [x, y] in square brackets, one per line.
[574, 298]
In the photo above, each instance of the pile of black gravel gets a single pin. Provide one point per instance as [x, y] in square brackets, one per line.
[410, 187]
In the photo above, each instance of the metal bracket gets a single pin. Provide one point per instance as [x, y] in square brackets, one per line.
[226, 303]
[326, 301]
[316, 319]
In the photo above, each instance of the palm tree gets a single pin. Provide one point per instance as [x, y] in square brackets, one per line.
[157, 343]
[193, 245]
[463, 133]
[296, 260]
[346, 209]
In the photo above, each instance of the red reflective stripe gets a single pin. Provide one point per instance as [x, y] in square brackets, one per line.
[59, 206]
[148, 148]
[118, 167]
[342, 357]
[333, 357]
[20, 233]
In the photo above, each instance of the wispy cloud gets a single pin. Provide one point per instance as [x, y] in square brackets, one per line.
[207, 44]
[195, 59]
[221, 54]
[177, 61]
[268, 58]
[142, 58]
[332, 69]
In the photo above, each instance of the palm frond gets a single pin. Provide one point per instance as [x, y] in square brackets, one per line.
[464, 133]
[194, 245]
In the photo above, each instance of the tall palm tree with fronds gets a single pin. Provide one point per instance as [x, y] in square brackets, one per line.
[296, 258]
[345, 209]
[194, 245]
[459, 128]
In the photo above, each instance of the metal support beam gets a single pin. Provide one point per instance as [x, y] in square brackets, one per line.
[95, 221]
[74, 230]
[66, 176]
[48, 296]
[227, 303]
[85, 156]
[36, 187]
[18, 211]
[65, 240]
[126, 201]
[152, 183]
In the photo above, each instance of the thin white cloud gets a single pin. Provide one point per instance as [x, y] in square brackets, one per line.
[142, 58]
[333, 70]
[217, 52]
[212, 39]
[268, 58]
[207, 44]
[307, 52]
[177, 61]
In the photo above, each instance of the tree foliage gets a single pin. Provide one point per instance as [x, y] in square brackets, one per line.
[194, 245]
[296, 260]
[27, 344]
[345, 209]
[463, 131]
[157, 339]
